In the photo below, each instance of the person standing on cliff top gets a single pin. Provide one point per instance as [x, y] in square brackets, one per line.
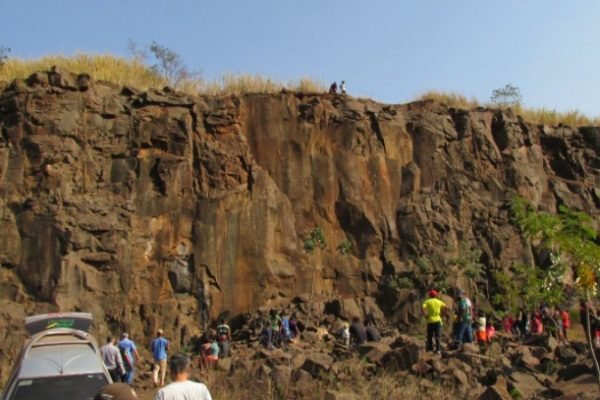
[159, 347]
[432, 310]
[343, 87]
[130, 356]
[333, 88]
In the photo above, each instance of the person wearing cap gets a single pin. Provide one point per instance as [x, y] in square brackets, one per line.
[159, 347]
[182, 388]
[464, 333]
[116, 391]
[432, 310]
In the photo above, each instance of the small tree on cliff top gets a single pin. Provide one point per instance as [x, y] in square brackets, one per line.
[506, 96]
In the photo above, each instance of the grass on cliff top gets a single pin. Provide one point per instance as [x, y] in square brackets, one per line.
[542, 116]
[132, 72]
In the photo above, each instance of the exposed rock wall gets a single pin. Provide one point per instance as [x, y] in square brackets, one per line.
[161, 209]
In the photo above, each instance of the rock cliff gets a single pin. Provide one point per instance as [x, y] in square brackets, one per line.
[157, 208]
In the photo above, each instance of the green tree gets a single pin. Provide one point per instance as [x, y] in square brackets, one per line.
[315, 241]
[506, 96]
[569, 236]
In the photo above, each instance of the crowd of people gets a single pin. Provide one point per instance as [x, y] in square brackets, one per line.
[469, 326]
[281, 329]
[121, 357]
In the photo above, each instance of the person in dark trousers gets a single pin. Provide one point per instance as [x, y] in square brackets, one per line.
[112, 359]
[333, 88]
[224, 338]
[432, 310]
[464, 319]
[358, 332]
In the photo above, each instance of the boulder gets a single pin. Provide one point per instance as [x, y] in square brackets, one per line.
[566, 354]
[526, 384]
[498, 391]
[584, 386]
[317, 364]
[573, 371]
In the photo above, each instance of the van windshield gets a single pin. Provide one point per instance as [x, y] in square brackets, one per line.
[75, 387]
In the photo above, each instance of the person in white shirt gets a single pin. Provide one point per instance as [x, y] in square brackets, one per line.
[181, 388]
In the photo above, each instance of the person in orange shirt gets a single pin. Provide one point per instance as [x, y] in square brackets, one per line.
[566, 322]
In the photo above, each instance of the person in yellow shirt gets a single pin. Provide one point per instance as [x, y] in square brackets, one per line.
[432, 310]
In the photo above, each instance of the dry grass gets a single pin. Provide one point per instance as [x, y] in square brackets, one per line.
[106, 67]
[360, 382]
[452, 99]
[133, 72]
[541, 116]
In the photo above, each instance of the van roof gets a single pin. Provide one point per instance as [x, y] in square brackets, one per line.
[60, 352]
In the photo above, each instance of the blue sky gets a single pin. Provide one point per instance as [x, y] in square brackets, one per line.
[388, 50]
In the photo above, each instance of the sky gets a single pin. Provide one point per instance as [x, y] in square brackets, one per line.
[391, 50]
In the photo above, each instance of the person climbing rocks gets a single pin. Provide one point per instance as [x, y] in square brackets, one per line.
[285, 332]
[566, 322]
[333, 88]
[130, 357]
[209, 351]
[159, 348]
[275, 320]
[111, 356]
[294, 328]
[481, 328]
[182, 388]
[266, 336]
[464, 319]
[537, 324]
[343, 87]
[490, 331]
[358, 332]
[432, 310]
[224, 338]
[345, 334]
[523, 323]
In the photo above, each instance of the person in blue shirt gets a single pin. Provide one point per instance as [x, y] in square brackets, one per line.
[159, 347]
[130, 356]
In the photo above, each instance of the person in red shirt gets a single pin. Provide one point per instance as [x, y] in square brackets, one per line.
[566, 322]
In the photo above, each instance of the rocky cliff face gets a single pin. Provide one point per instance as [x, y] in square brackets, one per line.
[161, 209]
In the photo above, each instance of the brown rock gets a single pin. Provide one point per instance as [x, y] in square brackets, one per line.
[499, 391]
[170, 210]
[317, 364]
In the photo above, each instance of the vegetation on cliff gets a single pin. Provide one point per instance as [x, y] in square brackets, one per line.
[541, 116]
[170, 70]
[134, 72]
